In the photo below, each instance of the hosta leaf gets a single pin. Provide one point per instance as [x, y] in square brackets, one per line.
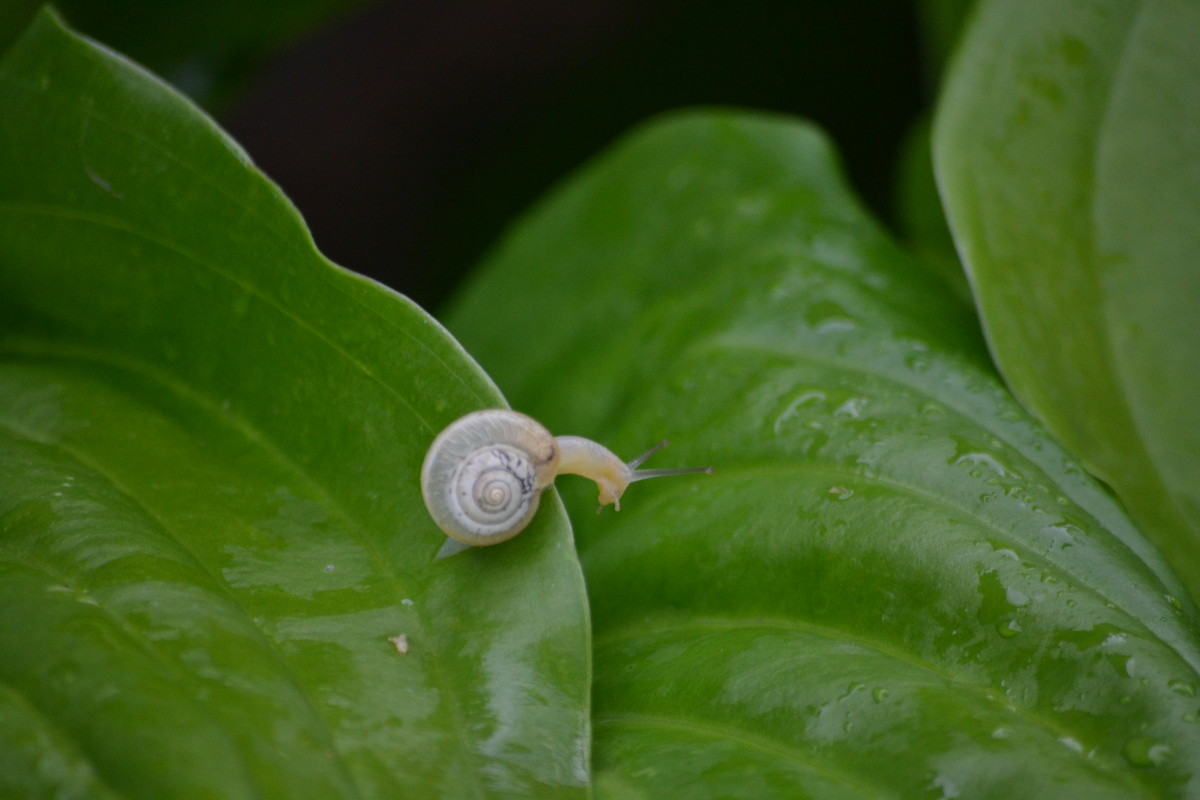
[1066, 147]
[210, 520]
[895, 584]
[15, 17]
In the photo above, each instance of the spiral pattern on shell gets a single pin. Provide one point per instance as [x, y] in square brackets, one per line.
[483, 476]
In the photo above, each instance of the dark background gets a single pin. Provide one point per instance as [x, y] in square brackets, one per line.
[410, 132]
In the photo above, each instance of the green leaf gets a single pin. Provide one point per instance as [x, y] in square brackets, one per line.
[15, 16]
[1065, 146]
[210, 520]
[895, 583]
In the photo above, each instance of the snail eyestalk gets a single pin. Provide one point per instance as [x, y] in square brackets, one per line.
[643, 474]
[635, 463]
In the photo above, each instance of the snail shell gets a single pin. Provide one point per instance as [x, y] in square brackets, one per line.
[483, 476]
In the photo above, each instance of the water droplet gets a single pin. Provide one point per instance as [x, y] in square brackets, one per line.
[917, 362]
[852, 688]
[1062, 535]
[1008, 628]
[841, 492]
[984, 460]
[1182, 687]
[1142, 751]
[803, 400]
[851, 408]
[1071, 744]
[879, 694]
[329, 568]
[829, 317]
[1015, 597]
[1002, 732]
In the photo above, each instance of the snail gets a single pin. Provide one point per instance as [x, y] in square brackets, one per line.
[484, 474]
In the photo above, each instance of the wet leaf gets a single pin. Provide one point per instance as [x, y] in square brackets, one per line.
[896, 583]
[210, 520]
[1065, 145]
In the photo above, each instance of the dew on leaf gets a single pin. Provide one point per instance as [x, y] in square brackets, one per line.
[1061, 536]
[1142, 751]
[1071, 743]
[807, 399]
[1008, 628]
[1015, 597]
[980, 461]
[852, 408]
[841, 492]
[829, 317]
[931, 409]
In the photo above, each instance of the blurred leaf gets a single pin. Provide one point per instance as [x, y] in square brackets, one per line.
[895, 584]
[210, 523]
[15, 16]
[1066, 148]
[919, 211]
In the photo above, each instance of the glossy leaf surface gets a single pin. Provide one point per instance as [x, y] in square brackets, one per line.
[895, 584]
[210, 519]
[1066, 147]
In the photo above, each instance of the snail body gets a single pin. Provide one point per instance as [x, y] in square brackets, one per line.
[484, 474]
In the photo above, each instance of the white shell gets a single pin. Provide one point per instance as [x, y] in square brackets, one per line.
[483, 476]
